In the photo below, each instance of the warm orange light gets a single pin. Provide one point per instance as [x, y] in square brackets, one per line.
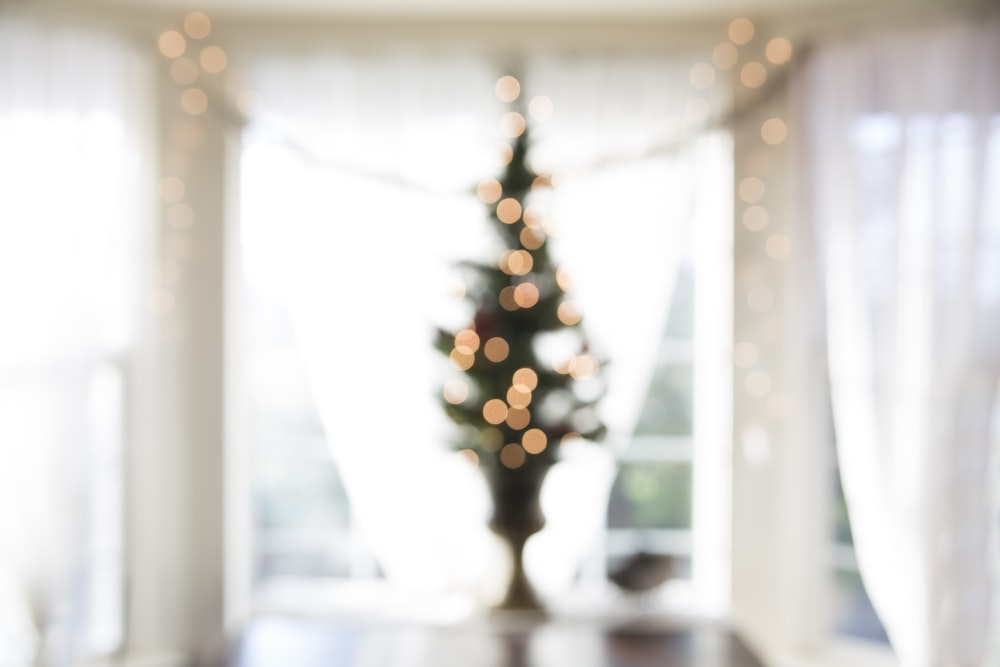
[172, 44]
[568, 313]
[584, 366]
[526, 377]
[213, 59]
[526, 295]
[506, 298]
[489, 191]
[495, 411]
[197, 25]
[773, 131]
[513, 124]
[512, 456]
[533, 216]
[751, 189]
[532, 239]
[469, 456]
[520, 262]
[467, 341]
[755, 218]
[496, 349]
[462, 361]
[194, 101]
[778, 50]
[534, 441]
[507, 88]
[509, 210]
[519, 396]
[518, 418]
[741, 31]
[564, 280]
[753, 75]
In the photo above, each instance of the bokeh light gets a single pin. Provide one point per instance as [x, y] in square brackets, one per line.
[172, 44]
[564, 279]
[507, 88]
[725, 55]
[773, 131]
[778, 246]
[518, 418]
[534, 216]
[534, 441]
[456, 391]
[194, 101]
[509, 210]
[213, 59]
[461, 360]
[506, 299]
[778, 50]
[513, 124]
[489, 191]
[197, 25]
[702, 76]
[469, 456]
[518, 396]
[751, 190]
[496, 349]
[520, 262]
[526, 377]
[568, 313]
[467, 341]
[495, 411]
[512, 456]
[753, 74]
[526, 295]
[741, 31]
[584, 366]
[532, 239]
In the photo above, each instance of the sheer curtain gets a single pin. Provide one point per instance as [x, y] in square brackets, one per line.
[68, 171]
[358, 195]
[904, 134]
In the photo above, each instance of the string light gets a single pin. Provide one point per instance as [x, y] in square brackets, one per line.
[172, 44]
[463, 362]
[751, 190]
[526, 377]
[773, 131]
[467, 341]
[507, 88]
[509, 210]
[197, 25]
[531, 239]
[564, 280]
[534, 441]
[778, 50]
[518, 396]
[512, 456]
[533, 216]
[495, 411]
[568, 313]
[518, 262]
[513, 124]
[506, 299]
[213, 59]
[518, 418]
[753, 74]
[584, 366]
[496, 349]
[526, 295]
[489, 191]
[725, 55]
[194, 101]
[741, 31]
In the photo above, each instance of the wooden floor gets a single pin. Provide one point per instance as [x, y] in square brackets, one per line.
[309, 642]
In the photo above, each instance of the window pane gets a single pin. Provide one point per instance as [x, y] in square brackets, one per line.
[668, 405]
[651, 495]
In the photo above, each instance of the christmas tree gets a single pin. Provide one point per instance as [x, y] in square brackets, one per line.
[526, 381]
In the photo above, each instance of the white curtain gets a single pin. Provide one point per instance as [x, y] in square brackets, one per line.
[358, 195]
[68, 190]
[904, 134]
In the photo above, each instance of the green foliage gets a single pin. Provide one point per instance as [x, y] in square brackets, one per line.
[561, 403]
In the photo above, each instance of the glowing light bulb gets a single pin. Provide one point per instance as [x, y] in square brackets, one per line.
[172, 44]
[778, 50]
[495, 411]
[526, 377]
[512, 456]
[518, 418]
[509, 210]
[507, 88]
[568, 313]
[741, 31]
[526, 295]
[197, 25]
[534, 441]
[467, 341]
[489, 191]
[496, 349]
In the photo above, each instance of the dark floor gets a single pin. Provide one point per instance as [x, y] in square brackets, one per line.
[306, 642]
